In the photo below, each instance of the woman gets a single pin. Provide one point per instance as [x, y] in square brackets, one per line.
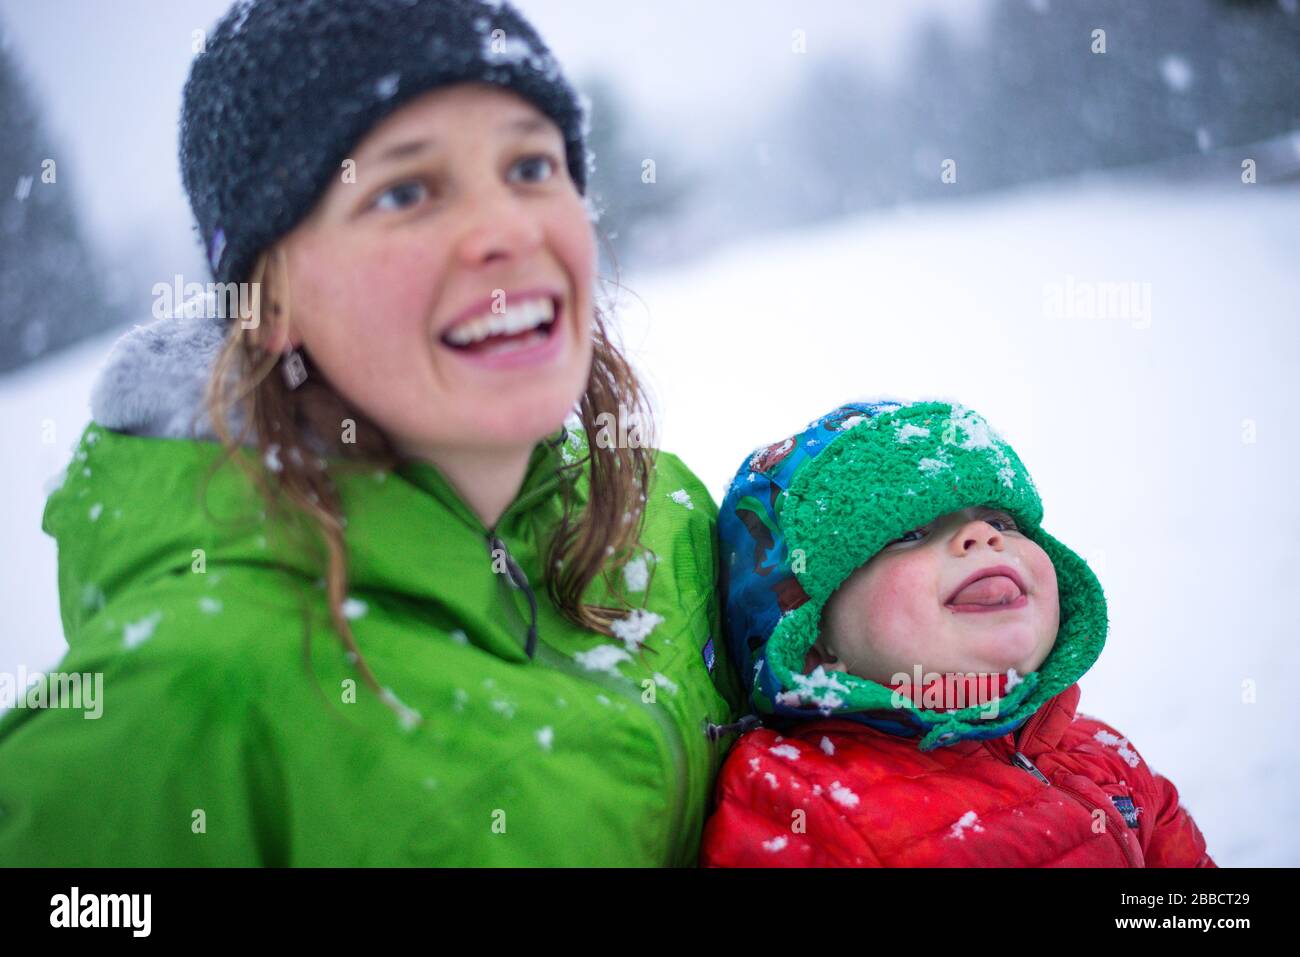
[393, 604]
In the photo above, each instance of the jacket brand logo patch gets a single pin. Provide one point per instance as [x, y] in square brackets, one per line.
[1126, 809]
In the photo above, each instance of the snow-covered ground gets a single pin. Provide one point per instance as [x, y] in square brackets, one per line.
[1163, 440]
[1136, 430]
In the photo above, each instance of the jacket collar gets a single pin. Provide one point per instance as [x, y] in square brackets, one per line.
[1042, 732]
[153, 382]
[153, 385]
[409, 533]
[541, 477]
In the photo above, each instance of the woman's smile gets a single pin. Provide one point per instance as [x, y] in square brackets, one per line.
[529, 333]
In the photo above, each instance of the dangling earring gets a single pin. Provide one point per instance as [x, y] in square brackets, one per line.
[291, 365]
[295, 372]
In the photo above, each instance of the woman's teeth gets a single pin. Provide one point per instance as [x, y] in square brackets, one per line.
[520, 325]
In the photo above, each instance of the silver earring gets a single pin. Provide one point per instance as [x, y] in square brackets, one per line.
[295, 372]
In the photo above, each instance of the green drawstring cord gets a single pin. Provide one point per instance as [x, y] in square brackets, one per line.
[519, 580]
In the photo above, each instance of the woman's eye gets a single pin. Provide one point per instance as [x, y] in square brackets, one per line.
[406, 194]
[543, 157]
[412, 189]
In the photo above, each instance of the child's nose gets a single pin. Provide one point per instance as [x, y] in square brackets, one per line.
[973, 534]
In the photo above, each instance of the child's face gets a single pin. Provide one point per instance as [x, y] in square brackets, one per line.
[894, 613]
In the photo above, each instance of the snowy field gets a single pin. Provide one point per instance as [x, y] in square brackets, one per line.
[1161, 431]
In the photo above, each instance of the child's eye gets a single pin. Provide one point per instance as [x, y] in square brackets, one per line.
[406, 189]
[915, 531]
[544, 157]
[1004, 520]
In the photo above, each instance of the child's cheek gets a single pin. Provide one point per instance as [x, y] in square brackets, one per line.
[1046, 590]
[901, 607]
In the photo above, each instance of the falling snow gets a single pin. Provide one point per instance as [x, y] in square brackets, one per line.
[386, 85]
[545, 737]
[776, 844]
[681, 497]
[407, 717]
[1177, 72]
[136, 632]
[92, 597]
[243, 9]
[515, 50]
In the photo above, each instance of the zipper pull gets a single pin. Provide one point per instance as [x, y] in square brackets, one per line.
[1020, 761]
[715, 731]
[520, 581]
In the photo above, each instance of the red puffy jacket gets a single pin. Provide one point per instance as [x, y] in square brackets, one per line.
[1082, 797]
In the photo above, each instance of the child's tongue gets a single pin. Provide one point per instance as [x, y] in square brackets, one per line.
[993, 590]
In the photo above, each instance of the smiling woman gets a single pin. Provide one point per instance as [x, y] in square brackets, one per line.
[376, 293]
[427, 620]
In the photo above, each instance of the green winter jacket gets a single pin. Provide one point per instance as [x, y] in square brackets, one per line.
[216, 746]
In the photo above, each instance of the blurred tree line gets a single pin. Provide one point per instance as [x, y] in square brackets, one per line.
[1033, 93]
[1023, 98]
[52, 287]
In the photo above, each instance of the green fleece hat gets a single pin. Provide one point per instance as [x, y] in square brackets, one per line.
[804, 513]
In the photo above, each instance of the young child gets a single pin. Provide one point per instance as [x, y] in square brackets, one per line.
[911, 639]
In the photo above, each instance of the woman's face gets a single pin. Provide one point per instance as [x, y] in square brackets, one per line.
[462, 207]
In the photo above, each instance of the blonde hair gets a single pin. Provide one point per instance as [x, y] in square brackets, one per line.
[604, 536]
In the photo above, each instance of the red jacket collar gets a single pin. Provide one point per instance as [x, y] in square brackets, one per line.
[1042, 732]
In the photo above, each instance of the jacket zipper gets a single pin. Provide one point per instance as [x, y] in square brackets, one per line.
[539, 651]
[671, 733]
[1019, 760]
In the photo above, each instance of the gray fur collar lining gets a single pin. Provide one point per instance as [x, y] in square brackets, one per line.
[153, 382]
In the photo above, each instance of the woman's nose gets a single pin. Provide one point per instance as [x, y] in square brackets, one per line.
[973, 534]
[496, 225]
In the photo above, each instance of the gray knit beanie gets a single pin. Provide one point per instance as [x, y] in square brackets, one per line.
[284, 89]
